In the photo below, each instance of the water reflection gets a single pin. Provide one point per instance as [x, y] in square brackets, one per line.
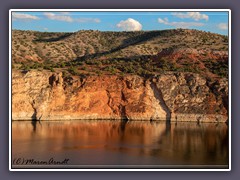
[122, 142]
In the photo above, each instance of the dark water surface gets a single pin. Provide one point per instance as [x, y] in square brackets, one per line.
[112, 144]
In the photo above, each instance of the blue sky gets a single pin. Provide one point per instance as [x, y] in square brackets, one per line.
[216, 22]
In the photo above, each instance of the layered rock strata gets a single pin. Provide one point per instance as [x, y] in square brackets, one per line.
[44, 95]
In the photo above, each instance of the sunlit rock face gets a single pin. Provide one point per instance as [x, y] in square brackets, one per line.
[44, 95]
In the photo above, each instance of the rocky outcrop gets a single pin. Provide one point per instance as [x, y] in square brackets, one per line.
[44, 95]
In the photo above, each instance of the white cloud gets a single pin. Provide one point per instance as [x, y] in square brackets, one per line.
[179, 24]
[223, 26]
[22, 16]
[58, 17]
[83, 20]
[64, 16]
[97, 20]
[161, 21]
[192, 15]
[64, 13]
[130, 25]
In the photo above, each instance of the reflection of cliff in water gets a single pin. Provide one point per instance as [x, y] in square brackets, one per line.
[182, 143]
[192, 143]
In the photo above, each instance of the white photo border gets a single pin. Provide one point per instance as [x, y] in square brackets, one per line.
[116, 10]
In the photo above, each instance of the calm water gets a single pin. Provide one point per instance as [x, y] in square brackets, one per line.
[119, 144]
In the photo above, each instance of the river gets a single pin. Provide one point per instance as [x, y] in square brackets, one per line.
[119, 144]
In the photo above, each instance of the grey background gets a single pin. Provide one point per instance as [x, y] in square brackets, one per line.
[133, 4]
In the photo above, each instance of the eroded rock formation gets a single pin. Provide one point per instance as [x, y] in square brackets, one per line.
[44, 95]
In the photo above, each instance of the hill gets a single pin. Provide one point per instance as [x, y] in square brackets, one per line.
[143, 52]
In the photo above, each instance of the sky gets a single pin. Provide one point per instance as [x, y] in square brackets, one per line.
[47, 21]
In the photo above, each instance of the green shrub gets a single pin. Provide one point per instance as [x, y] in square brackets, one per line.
[73, 70]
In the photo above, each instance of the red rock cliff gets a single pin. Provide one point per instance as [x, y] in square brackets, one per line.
[171, 96]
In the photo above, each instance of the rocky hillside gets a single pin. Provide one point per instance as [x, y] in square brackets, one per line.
[173, 75]
[171, 96]
[143, 53]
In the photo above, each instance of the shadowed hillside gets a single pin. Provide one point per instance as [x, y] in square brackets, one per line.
[143, 52]
[172, 75]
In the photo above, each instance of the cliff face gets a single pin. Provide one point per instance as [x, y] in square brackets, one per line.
[171, 96]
